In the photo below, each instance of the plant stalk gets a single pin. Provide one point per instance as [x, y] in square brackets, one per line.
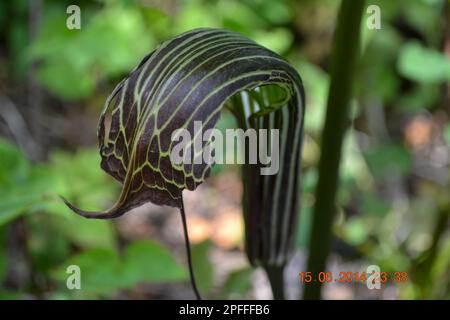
[343, 62]
[188, 251]
[276, 279]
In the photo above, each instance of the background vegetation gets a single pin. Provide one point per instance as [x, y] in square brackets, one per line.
[393, 197]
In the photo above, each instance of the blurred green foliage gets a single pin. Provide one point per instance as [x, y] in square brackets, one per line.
[388, 211]
[32, 190]
[104, 271]
[423, 65]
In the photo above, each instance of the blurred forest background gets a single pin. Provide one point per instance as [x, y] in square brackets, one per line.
[394, 195]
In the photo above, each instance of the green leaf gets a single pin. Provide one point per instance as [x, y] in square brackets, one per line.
[420, 98]
[147, 261]
[104, 271]
[72, 62]
[422, 64]
[46, 246]
[63, 79]
[84, 233]
[203, 268]
[374, 205]
[279, 40]
[23, 187]
[423, 16]
[388, 158]
[355, 231]
[10, 209]
[79, 177]
[238, 284]
[194, 14]
[316, 84]
[100, 270]
[14, 167]
[276, 12]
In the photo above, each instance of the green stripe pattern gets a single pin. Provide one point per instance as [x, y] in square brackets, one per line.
[191, 78]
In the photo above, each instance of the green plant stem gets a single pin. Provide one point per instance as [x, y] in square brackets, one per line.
[276, 279]
[343, 62]
[188, 251]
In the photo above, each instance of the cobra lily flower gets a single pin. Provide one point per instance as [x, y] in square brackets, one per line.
[189, 78]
